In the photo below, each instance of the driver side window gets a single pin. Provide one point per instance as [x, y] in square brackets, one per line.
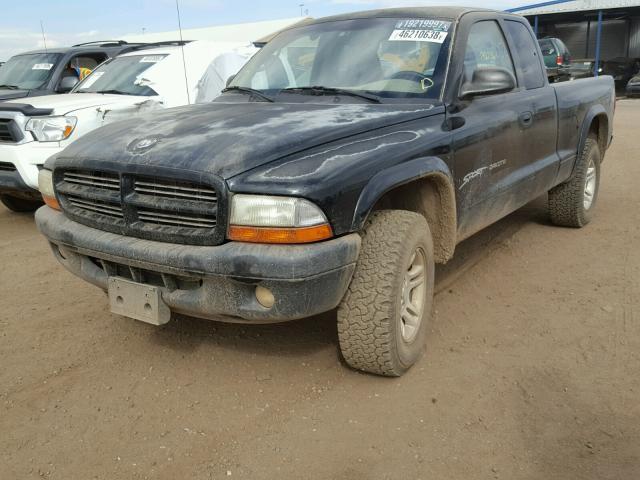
[486, 47]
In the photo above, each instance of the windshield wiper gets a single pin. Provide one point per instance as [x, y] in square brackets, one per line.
[251, 91]
[114, 92]
[320, 90]
[10, 87]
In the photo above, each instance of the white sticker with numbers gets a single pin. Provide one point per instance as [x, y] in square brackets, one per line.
[434, 36]
[42, 66]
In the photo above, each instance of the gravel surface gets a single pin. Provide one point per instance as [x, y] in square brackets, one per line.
[531, 371]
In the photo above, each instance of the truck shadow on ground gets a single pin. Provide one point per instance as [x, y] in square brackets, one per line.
[305, 336]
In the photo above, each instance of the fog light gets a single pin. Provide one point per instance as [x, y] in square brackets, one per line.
[265, 297]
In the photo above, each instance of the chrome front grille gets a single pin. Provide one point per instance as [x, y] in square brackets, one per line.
[162, 209]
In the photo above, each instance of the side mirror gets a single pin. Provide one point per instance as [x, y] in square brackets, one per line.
[67, 84]
[488, 81]
[230, 79]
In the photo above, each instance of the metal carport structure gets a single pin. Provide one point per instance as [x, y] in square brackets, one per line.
[599, 29]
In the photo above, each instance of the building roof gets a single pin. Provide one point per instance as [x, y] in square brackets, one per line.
[564, 6]
[241, 32]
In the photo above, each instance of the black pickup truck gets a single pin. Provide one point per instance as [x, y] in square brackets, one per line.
[343, 161]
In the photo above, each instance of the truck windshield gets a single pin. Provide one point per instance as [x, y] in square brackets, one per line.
[28, 72]
[122, 75]
[388, 57]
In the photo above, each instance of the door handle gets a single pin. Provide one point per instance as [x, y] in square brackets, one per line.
[526, 119]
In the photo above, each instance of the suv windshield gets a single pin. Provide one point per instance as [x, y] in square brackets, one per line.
[388, 57]
[28, 72]
[122, 75]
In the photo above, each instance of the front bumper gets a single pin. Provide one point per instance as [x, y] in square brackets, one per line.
[26, 158]
[218, 282]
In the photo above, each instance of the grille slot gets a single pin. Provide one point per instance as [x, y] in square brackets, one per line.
[7, 167]
[6, 135]
[94, 179]
[96, 206]
[176, 220]
[177, 190]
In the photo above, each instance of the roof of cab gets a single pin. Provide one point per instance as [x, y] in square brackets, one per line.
[106, 46]
[409, 12]
[158, 50]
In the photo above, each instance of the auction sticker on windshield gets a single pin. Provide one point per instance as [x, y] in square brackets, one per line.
[420, 30]
[42, 66]
[152, 58]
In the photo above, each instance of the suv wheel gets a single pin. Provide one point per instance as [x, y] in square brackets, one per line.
[17, 204]
[383, 319]
[571, 203]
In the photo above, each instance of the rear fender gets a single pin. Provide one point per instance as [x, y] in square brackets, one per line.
[596, 111]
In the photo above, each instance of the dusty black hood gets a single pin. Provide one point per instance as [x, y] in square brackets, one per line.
[231, 138]
[6, 94]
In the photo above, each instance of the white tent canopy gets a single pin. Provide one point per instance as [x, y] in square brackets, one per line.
[208, 65]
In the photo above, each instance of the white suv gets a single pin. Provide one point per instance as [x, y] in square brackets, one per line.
[138, 82]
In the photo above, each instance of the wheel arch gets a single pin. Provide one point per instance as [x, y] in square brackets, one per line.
[595, 121]
[423, 185]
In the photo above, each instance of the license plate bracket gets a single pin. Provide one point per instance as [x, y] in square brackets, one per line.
[137, 301]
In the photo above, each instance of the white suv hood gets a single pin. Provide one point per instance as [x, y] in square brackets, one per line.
[67, 103]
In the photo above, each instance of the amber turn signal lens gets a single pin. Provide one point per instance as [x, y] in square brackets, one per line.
[316, 233]
[51, 202]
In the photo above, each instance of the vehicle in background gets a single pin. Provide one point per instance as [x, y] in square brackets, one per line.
[147, 79]
[557, 58]
[1, 63]
[622, 69]
[582, 68]
[633, 87]
[343, 161]
[55, 70]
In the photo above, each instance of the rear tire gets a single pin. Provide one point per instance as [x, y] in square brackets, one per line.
[383, 318]
[21, 205]
[571, 203]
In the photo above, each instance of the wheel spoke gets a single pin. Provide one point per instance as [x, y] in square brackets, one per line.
[413, 292]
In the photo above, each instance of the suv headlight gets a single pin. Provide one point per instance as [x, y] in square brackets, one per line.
[51, 129]
[271, 219]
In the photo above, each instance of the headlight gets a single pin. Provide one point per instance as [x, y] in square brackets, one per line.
[45, 185]
[270, 219]
[51, 129]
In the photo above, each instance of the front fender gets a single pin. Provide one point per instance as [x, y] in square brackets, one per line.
[393, 177]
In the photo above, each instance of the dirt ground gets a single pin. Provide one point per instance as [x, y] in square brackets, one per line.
[532, 370]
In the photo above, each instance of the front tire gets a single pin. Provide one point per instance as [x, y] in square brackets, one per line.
[383, 318]
[571, 203]
[20, 205]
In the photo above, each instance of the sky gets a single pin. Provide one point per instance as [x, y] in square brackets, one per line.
[75, 21]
